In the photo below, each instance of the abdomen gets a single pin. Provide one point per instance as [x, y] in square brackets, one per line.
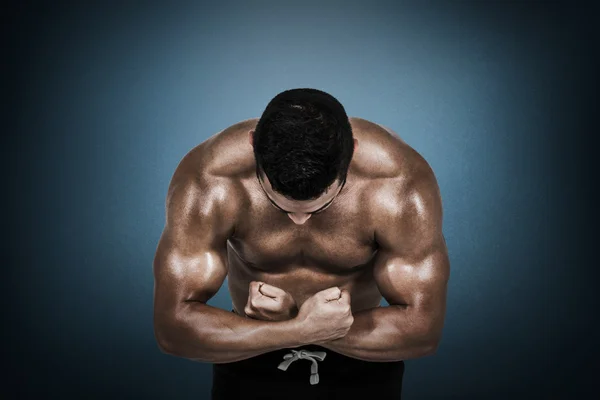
[302, 281]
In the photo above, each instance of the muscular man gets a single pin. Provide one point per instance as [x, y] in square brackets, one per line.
[313, 217]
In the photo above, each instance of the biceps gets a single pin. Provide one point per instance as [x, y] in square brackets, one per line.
[419, 283]
[185, 275]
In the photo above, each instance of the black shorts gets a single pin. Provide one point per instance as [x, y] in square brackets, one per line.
[339, 376]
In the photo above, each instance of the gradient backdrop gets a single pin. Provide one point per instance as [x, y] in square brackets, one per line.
[108, 99]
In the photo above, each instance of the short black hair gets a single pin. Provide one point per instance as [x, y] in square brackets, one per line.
[303, 142]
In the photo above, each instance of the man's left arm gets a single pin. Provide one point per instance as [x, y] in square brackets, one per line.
[411, 269]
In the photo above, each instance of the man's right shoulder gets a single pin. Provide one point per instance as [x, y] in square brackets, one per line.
[199, 199]
[226, 154]
[200, 186]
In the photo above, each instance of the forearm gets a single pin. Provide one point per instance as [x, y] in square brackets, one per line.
[385, 334]
[205, 333]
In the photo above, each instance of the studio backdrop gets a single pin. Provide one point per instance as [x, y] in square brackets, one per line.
[110, 97]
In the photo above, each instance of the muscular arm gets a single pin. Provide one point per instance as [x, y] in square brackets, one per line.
[190, 267]
[411, 270]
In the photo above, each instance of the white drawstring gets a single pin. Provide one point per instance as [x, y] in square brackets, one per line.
[304, 354]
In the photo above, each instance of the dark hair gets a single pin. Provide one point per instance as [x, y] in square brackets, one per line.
[303, 142]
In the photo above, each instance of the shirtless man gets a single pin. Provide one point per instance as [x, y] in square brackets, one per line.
[313, 217]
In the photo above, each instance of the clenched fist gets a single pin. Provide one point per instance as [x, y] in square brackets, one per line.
[269, 303]
[325, 316]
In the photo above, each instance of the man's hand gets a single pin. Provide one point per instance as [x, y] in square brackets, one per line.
[325, 316]
[269, 303]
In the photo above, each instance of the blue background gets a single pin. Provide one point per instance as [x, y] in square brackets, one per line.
[108, 99]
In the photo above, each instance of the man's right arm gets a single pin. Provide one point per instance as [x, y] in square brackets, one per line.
[190, 267]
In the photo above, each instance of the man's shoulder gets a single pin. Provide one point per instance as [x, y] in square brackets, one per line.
[210, 175]
[399, 175]
[200, 199]
[226, 154]
[383, 155]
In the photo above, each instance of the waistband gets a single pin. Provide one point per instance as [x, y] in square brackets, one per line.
[311, 363]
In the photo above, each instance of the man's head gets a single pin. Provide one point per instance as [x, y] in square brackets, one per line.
[303, 146]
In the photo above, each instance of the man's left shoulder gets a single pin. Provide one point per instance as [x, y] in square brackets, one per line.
[397, 168]
[390, 144]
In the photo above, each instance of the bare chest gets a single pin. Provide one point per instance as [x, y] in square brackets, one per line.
[337, 241]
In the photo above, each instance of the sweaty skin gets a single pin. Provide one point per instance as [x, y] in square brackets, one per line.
[380, 237]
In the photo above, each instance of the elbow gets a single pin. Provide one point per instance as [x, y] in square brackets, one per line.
[431, 343]
[168, 335]
[164, 341]
[165, 347]
[426, 341]
[175, 340]
[430, 348]
[167, 331]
